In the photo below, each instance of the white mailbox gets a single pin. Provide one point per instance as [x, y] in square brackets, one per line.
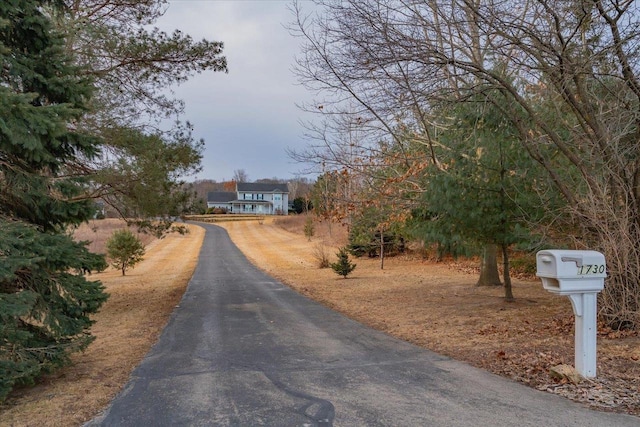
[580, 276]
[564, 271]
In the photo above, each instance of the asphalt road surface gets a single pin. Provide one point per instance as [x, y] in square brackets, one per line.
[244, 350]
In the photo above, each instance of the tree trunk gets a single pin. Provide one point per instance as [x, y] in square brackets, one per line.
[381, 250]
[508, 293]
[489, 275]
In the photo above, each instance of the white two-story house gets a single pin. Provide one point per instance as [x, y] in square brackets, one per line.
[252, 198]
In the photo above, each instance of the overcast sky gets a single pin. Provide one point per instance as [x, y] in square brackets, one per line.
[248, 117]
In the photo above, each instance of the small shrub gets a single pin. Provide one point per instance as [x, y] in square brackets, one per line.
[321, 255]
[124, 250]
[369, 244]
[343, 266]
[309, 228]
[217, 211]
[524, 265]
[180, 229]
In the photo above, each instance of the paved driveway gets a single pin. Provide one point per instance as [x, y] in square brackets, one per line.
[245, 350]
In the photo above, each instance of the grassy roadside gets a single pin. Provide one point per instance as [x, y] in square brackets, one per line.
[126, 327]
[434, 305]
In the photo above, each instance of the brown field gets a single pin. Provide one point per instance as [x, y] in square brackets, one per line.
[434, 305]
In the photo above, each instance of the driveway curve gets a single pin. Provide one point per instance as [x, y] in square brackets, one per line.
[242, 349]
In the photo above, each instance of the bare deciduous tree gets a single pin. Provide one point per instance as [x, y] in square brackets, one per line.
[366, 58]
[568, 69]
[239, 175]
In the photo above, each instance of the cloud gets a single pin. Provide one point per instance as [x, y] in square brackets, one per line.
[247, 117]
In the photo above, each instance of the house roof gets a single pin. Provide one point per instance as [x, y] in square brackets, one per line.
[262, 187]
[221, 196]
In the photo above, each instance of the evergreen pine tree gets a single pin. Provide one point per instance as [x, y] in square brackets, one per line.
[343, 266]
[124, 250]
[45, 300]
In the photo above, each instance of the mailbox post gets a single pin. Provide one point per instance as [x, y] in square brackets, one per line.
[580, 276]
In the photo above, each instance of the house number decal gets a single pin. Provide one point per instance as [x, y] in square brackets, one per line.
[592, 269]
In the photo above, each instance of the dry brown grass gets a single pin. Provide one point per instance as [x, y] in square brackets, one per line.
[126, 327]
[98, 231]
[326, 233]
